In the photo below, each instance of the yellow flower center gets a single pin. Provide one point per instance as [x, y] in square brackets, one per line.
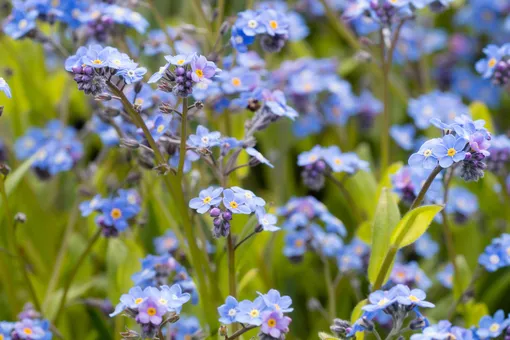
[273, 24]
[22, 24]
[494, 259]
[508, 251]
[55, 3]
[383, 301]
[451, 152]
[413, 298]
[163, 301]
[494, 327]
[208, 200]
[161, 128]
[312, 158]
[116, 213]
[338, 161]
[427, 153]
[180, 61]
[151, 311]
[276, 306]
[138, 301]
[252, 23]
[199, 73]
[271, 322]
[492, 62]
[254, 313]
[298, 243]
[27, 331]
[1, 337]
[236, 81]
[234, 205]
[139, 101]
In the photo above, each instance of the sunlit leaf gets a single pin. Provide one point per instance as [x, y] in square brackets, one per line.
[413, 225]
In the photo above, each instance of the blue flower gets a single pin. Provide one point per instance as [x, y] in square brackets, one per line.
[132, 300]
[492, 327]
[445, 276]
[228, 311]
[173, 297]
[249, 22]
[98, 58]
[240, 41]
[117, 212]
[20, 22]
[379, 300]
[403, 135]
[88, 207]
[159, 125]
[267, 221]
[493, 258]
[132, 75]
[191, 156]
[277, 105]
[6, 330]
[295, 243]
[206, 199]
[450, 150]
[312, 156]
[181, 59]
[253, 202]
[250, 313]
[258, 156]
[204, 139]
[235, 203]
[415, 297]
[277, 303]
[239, 79]
[158, 75]
[494, 54]
[167, 243]
[4, 87]
[425, 157]
[462, 201]
[275, 22]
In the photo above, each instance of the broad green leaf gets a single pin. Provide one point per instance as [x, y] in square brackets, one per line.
[473, 312]
[364, 232]
[480, 111]
[386, 218]
[414, 224]
[462, 277]
[13, 179]
[247, 278]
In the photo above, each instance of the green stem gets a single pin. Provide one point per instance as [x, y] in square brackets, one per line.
[340, 26]
[61, 254]
[231, 265]
[421, 195]
[359, 215]
[476, 274]
[240, 332]
[385, 142]
[245, 239]
[330, 287]
[198, 259]
[184, 126]
[221, 13]
[73, 273]
[14, 245]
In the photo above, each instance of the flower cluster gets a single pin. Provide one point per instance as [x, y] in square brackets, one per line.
[499, 154]
[321, 161]
[115, 212]
[398, 302]
[461, 203]
[56, 148]
[94, 66]
[353, 257]
[161, 270]
[90, 20]
[235, 200]
[182, 72]
[465, 142]
[267, 312]
[271, 24]
[496, 64]
[497, 254]
[152, 307]
[30, 326]
[408, 181]
[443, 330]
[302, 217]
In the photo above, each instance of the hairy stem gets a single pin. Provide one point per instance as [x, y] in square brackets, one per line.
[421, 195]
[184, 126]
[240, 332]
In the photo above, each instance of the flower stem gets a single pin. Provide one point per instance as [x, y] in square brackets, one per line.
[184, 126]
[14, 245]
[245, 239]
[421, 195]
[231, 249]
[450, 246]
[73, 273]
[330, 287]
[359, 215]
[240, 332]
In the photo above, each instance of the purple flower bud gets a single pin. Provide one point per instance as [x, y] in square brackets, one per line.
[180, 71]
[217, 222]
[215, 212]
[227, 215]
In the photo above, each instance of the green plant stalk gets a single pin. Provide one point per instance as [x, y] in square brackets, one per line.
[392, 252]
[330, 287]
[13, 245]
[450, 246]
[221, 13]
[197, 258]
[359, 215]
[231, 266]
[184, 126]
[73, 273]
[61, 254]
[476, 274]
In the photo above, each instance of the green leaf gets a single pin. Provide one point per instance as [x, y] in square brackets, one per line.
[414, 224]
[480, 111]
[364, 232]
[326, 336]
[386, 218]
[13, 179]
[462, 277]
[247, 278]
[474, 311]
[385, 181]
